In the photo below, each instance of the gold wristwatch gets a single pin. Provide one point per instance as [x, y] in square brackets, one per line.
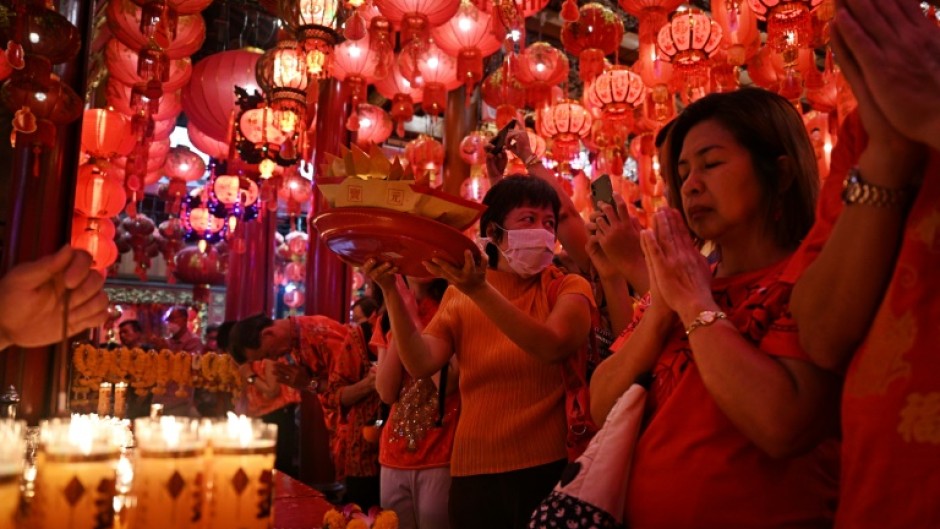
[857, 191]
[704, 319]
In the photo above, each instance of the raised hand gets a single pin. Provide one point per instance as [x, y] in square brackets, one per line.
[32, 299]
[678, 271]
[382, 274]
[468, 278]
[618, 234]
[903, 77]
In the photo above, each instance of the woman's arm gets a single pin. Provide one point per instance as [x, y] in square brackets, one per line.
[388, 375]
[421, 355]
[855, 266]
[551, 341]
[636, 356]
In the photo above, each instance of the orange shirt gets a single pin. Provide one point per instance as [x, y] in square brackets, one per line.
[891, 397]
[512, 405]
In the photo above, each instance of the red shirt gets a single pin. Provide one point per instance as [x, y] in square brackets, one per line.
[891, 398]
[692, 467]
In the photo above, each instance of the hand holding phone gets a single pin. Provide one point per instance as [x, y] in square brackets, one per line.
[499, 141]
[602, 191]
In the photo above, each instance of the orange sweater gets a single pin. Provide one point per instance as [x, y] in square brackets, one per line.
[513, 405]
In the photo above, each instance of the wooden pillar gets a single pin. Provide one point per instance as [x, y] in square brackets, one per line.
[37, 214]
[460, 118]
[327, 282]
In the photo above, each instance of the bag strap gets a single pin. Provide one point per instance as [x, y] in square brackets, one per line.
[442, 395]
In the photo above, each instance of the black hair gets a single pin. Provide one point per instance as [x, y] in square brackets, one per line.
[134, 325]
[508, 194]
[367, 305]
[246, 334]
[770, 129]
[225, 330]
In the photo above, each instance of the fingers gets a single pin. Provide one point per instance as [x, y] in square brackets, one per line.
[91, 313]
[623, 212]
[29, 276]
[79, 268]
[89, 288]
[861, 46]
[876, 15]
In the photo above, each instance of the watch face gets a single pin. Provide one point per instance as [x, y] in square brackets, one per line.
[708, 317]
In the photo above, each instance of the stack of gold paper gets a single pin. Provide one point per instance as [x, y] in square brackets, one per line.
[361, 179]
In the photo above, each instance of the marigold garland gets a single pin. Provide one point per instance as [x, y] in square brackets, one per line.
[151, 371]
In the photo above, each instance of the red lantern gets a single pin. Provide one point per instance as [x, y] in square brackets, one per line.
[565, 122]
[688, 41]
[125, 98]
[106, 133]
[472, 147]
[438, 72]
[103, 250]
[123, 61]
[297, 243]
[539, 68]
[789, 25]
[260, 126]
[282, 74]
[81, 224]
[232, 189]
[184, 164]
[469, 36]
[474, 188]
[354, 64]
[374, 125]
[97, 195]
[616, 92]
[597, 32]
[201, 269]
[294, 298]
[425, 156]
[505, 93]
[294, 271]
[50, 34]
[206, 144]
[39, 90]
[740, 35]
[209, 98]
[202, 222]
[295, 190]
[124, 20]
[403, 94]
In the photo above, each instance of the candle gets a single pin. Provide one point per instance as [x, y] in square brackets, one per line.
[241, 473]
[169, 474]
[120, 399]
[104, 399]
[75, 481]
[12, 449]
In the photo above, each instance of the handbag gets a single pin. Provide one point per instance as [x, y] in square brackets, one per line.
[592, 492]
[574, 374]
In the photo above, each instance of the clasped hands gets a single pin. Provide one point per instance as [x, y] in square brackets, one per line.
[680, 279]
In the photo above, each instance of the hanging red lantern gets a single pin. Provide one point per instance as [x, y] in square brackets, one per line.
[414, 19]
[295, 190]
[260, 126]
[97, 195]
[106, 133]
[425, 157]
[469, 36]
[206, 144]
[41, 32]
[209, 98]
[125, 21]
[740, 35]
[505, 93]
[123, 61]
[81, 224]
[374, 125]
[202, 222]
[124, 99]
[295, 271]
[294, 298]
[315, 24]
[438, 71]
[297, 243]
[184, 164]
[354, 64]
[516, 165]
[539, 68]
[103, 250]
[282, 75]
[474, 187]
[403, 94]
[472, 147]
[688, 41]
[200, 268]
[565, 123]
[617, 92]
[596, 33]
[39, 90]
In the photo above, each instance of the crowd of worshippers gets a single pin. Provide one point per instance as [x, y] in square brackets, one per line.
[787, 327]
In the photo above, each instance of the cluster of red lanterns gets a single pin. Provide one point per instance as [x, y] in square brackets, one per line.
[290, 260]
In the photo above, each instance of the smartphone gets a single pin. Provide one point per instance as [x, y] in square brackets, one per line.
[602, 191]
[499, 141]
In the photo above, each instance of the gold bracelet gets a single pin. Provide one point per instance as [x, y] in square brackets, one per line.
[856, 191]
[704, 319]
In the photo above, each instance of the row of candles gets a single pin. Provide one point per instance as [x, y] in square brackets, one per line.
[89, 472]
